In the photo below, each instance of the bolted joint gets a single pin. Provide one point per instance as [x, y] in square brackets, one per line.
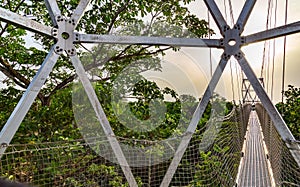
[238, 27]
[54, 32]
[226, 56]
[226, 28]
[222, 42]
[238, 56]
[232, 41]
[3, 145]
[243, 40]
[76, 37]
[65, 36]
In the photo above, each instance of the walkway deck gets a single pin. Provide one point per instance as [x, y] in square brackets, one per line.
[254, 171]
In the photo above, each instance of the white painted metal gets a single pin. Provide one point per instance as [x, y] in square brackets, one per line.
[144, 40]
[279, 123]
[193, 124]
[244, 15]
[288, 29]
[216, 14]
[13, 123]
[103, 120]
[53, 10]
[229, 34]
[79, 11]
[16, 19]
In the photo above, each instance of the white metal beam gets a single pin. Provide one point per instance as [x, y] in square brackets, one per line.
[79, 11]
[24, 22]
[15, 119]
[103, 120]
[245, 13]
[53, 10]
[194, 122]
[217, 15]
[279, 123]
[144, 40]
[273, 33]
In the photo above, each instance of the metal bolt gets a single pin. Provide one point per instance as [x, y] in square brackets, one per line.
[4, 145]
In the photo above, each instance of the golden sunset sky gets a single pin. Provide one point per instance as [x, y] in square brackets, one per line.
[188, 71]
[194, 63]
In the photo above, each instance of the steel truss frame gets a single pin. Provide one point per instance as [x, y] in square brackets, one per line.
[248, 93]
[62, 25]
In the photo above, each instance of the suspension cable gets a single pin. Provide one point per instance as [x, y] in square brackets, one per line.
[268, 46]
[210, 55]
[231, 12]
[265, 43]
[238, 81]
[232, 84]
[274, 50]
[284, 57]
[230, 60]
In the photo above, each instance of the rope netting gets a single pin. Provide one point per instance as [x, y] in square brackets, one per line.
[75, 163]
[286, 171]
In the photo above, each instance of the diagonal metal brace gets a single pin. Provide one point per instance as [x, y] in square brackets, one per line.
[194, 122]
[279, 123]
[24, 22]
[14, 121]
[64, 33]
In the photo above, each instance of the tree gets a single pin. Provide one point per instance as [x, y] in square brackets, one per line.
[103, 62]
[290, 110]
[51, 117]
[19, 63]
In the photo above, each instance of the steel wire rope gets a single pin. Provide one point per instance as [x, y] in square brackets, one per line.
[230, 60]
[273, 52]
[266, 51]
[238, 80]
[237, 75]
[71, 162]
[210, 51]
[284, 58]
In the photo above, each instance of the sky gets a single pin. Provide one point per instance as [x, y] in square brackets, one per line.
[188, 71]
[254, 52]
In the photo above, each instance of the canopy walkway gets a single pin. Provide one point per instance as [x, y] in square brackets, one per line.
[220, 153]
[254, 166]
[237, 156]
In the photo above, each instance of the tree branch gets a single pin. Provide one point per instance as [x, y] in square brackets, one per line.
[13, 72]
[17, 78]
[119, 11]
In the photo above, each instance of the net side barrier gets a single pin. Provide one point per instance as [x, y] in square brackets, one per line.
[286, 171]
[74, 163]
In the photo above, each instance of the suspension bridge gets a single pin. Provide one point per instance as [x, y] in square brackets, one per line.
[251, 146]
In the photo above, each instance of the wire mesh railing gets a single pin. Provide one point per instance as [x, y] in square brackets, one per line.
[74, 163]
[286, 171]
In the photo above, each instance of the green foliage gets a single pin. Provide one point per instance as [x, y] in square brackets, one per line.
[42, 123]
[51, 117]
[165, 18]
[290, 110]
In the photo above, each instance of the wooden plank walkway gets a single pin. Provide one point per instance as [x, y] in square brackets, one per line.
[254, 169]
